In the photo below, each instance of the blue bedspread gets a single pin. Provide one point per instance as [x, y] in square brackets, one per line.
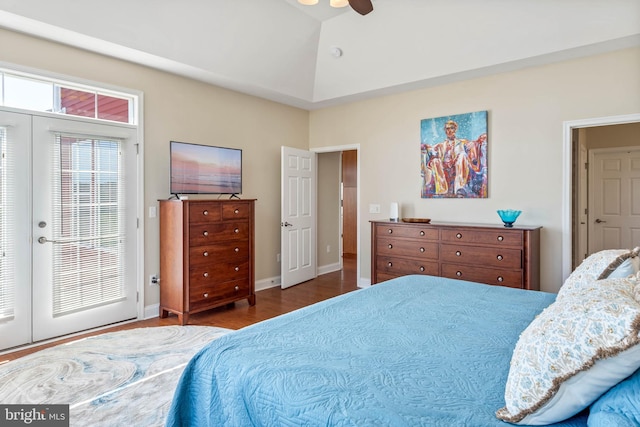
[414, 351]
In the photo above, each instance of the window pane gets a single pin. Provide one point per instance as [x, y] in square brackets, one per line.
[77, 102]
[29, 94]
[111, 108]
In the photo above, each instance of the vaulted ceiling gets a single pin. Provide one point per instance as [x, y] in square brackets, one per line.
[283, 51]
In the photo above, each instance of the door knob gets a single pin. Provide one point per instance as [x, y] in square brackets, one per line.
[286, 224]
[599, 221]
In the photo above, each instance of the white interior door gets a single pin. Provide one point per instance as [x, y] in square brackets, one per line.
[614, 206]
[298, 210]
[15, 229]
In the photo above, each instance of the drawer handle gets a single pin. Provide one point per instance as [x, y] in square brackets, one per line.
[205, 274]
[421, 233]
[499, 257]
[206, 233]
[237, 230]
[205, 213]
[422, 249]
[237, 268]
[500, 279]
[237, 211]
[390, 231]
[459, 236]
[205, 253]
[459, 273]
[421, 268]
[237, 288]
[458, 253]
[390, 246]
[390, 264]
[500, 238]
[206, 295]
[237, 249]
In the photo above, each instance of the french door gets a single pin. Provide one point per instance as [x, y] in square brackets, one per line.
[69, 226]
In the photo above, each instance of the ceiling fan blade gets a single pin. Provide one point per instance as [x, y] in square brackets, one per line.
[361, 6]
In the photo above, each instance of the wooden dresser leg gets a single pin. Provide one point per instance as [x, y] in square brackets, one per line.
[252, 299]
[183, 318]
[163, 313]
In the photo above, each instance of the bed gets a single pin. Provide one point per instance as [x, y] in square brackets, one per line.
[417, 350]
[430, 351]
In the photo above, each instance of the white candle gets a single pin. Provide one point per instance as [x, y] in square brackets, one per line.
[394, 214]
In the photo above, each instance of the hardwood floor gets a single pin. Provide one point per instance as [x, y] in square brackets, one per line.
[269, 303]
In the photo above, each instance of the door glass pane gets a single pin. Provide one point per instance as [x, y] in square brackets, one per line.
[88, 224]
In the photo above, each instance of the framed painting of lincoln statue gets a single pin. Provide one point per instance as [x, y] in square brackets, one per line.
[453, 156]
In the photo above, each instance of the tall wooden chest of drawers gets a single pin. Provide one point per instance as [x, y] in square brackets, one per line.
[206, 255]
[494, 255]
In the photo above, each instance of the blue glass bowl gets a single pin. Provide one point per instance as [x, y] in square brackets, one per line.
[509, 216]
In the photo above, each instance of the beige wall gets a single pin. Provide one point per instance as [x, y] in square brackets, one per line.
[181, 109]
[526, 113]
[526, 108]
[328, 209]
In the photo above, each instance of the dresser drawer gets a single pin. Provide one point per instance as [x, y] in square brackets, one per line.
[483, 256]
[383, 277]
[236, 210]
[203, 296]
[202, 234]
[490, 276]
[410, 231]
[217, 271]
[407, 248]
[487, 236]
[211, 254]
[204, 212]
[403, 267]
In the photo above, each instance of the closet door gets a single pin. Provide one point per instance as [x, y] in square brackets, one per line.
[15, 229]
[84, 226]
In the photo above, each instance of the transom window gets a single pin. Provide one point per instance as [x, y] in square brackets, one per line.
[37, 93]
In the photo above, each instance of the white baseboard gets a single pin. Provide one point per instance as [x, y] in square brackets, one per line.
[364, 283]
[329, 268]
[151, 311]
[263, 284]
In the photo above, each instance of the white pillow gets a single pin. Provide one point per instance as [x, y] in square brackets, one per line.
[623, 266]
[574, 351]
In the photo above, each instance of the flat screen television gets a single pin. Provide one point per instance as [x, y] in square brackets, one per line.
[205, 169]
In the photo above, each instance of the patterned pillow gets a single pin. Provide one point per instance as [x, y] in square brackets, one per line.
[594, 266]
[574, 351]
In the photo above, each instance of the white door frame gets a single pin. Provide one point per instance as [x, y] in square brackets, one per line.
[340, 148]
[567, 213]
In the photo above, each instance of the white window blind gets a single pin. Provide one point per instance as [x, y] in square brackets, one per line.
[88, 210]
[7, 219]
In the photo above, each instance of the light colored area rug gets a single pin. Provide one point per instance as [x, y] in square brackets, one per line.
[124, 378]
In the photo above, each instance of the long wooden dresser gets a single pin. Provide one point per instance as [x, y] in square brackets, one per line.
[206, 255]
[494, 255]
